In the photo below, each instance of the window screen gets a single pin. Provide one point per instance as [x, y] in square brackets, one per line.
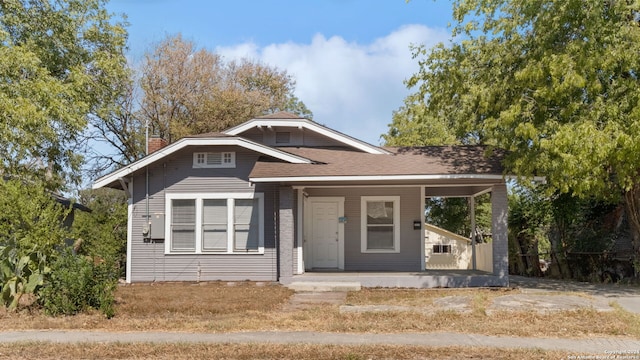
[246, 225]
[183, 225]
[214, 224]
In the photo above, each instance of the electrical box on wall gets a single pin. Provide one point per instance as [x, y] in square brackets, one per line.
[157, 226]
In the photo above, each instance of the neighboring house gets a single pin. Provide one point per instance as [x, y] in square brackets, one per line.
[445, 250]
[280, 198]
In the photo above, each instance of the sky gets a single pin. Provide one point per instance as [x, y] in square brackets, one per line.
[349, 58]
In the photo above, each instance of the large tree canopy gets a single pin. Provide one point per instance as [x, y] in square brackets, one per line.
[59, 63]
[190, 91]
[181, 90]
[553, 82]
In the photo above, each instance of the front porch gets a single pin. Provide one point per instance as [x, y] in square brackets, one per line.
[331, 234]
[420, 279]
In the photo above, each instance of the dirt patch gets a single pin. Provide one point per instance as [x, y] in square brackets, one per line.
[305, 300]
[459, 304]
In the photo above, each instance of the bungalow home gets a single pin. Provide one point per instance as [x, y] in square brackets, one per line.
[282, 198]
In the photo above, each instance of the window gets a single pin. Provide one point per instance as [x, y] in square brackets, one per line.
[283, 137]
[246, 225]
[441, 249]
[214, 160]
[183, 225]
[215, 223]
[380, 226]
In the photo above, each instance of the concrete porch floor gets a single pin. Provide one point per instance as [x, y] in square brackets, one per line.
[420, 279]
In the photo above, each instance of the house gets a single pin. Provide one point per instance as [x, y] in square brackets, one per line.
[446, 250]
[282, 198]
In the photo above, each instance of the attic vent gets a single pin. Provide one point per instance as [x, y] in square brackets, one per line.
[214, 160]
[283, 137]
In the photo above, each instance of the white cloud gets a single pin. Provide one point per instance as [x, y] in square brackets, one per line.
[350, 87]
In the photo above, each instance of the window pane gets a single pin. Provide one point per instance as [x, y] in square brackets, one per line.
[214, 224]
[183, 226]
[214, 211]
[379, 212]
[214, 237]
[380, 237]
[184, 211]
[183, 237]
[247, 224]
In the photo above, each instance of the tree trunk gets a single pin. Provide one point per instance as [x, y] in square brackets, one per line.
[516, 264]
[559, 267]
[632, 207]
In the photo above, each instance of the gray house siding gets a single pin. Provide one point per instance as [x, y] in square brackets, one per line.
[409, 257]
[177, 175]
[298, 137]
[499, 229]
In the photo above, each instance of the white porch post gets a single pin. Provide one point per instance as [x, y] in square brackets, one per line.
[472, 214]
[299, 232]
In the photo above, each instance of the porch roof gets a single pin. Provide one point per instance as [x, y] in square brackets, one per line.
[462, 164]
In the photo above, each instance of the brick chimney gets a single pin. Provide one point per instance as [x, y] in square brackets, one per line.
[156, 143]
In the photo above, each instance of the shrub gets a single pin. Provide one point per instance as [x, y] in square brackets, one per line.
[77, 284]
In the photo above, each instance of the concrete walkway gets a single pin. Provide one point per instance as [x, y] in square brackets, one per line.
[627, 296]
[590, 345]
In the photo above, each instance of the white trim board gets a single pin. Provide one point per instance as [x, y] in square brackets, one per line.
[182, 143]
[380, 177]
[309, 125]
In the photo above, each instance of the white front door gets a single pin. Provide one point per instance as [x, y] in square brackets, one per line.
[325, 234]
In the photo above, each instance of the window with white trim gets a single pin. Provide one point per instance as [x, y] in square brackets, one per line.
[380, 226]
[183, 225]
[215, 223]
[214, 160]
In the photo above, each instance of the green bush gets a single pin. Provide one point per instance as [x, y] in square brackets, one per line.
[77, 284]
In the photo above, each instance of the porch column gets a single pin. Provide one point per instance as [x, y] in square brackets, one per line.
[286, 228]
[472, 214]
[499, 210]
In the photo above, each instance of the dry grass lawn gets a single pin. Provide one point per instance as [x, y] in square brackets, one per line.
[218, 307]
[260, 351]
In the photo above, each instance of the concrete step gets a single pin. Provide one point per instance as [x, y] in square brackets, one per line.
[323, 286]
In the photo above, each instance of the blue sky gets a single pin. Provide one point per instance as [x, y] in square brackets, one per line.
[349, 57]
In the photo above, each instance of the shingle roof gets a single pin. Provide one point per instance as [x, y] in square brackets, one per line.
[430, 160]
[280, 115]
[210, 135]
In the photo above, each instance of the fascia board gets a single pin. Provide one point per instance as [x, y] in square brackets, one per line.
[181, 144]
[378, 178]
[335, 135]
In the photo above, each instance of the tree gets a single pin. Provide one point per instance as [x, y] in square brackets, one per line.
[102, 234]
[189, 91]
[59, 62]
[122, 129]
[553, 82]
[453, 214]
[409, 127]
[30, 231]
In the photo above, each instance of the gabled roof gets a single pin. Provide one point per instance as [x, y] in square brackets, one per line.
[285, 119]
[198, 140]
